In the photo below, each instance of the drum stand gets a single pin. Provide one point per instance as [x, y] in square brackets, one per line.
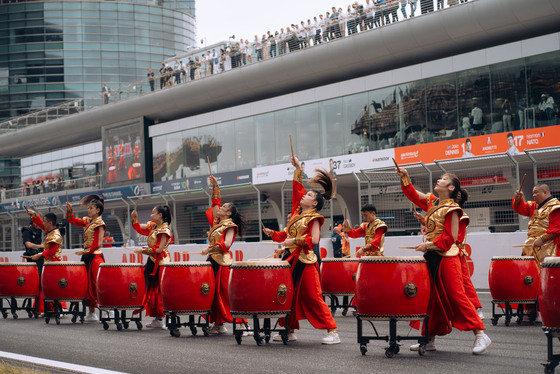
[173, 323]
[553, 360]
[392, 338]
[13, 306]
[346, 303]
[265, 330]
[73, 309]
[508, 313]
[121, 320]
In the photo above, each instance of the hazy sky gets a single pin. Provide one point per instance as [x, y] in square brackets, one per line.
[217, 20]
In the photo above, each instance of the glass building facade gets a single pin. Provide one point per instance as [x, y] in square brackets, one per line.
[428, 110]
[56, 51]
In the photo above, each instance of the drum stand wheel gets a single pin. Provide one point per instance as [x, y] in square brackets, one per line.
[346, 304]
[173, 323]
[264, 333]
[553, 359]
[73, 309]
[120, 318]
[13, 307]
[393, 339]
[508, 312]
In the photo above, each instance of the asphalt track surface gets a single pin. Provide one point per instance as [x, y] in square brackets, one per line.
[514, 349]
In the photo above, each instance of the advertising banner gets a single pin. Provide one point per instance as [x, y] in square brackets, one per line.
[514, 143]
[338, 165]
[232, 178]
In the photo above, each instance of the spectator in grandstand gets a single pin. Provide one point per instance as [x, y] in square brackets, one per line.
[177, 71]
[162, 76]
[106, 92]
[257, 47]
[547, 106]
[507, 110]
[477, 119]
[151, 79]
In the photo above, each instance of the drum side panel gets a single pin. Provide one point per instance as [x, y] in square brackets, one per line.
[64, 282]
[513, 280]
[19, 280]
[120, 286]
[187, 288]
[549, 297]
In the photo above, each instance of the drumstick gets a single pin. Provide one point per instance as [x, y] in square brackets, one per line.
[521, 245]
[351, 254]
[192, 253]
[406, 247]
[345, 213]
[522, 181]
[136, 205]
[209, 168]
[130, 249]
[66, 195]
[267, 243]
[396, 165]
[272, 255]
[26, 256]
[262, 224]
[291, 146]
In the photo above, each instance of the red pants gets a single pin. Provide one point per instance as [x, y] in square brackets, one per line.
[93, 269]
[467, 283]
[449, 305]
[220, 307]
[308, 301]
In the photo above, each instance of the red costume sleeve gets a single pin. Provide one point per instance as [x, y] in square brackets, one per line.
[524, 208]
[50, 252]
[82, 222]
[222, 242]
[554, 223]
[279, 236]
[95, 244]
[445, 240]
[462, 231]
[357, 233]
[215, 202]
[39, 222]
[136, 226]
[298, 191]
[377, 238]
[412, 195]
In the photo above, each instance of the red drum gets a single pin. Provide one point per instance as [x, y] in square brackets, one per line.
[338, 276]
[392, 288]
[549, 293]
[120, 286]
[514, 279]
[261, 287]
[64, 281]
[187, 287]
[19, 279]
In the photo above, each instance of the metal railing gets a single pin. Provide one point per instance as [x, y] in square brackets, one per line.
[203, 63]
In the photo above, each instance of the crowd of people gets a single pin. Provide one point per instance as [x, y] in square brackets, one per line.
[332, 25]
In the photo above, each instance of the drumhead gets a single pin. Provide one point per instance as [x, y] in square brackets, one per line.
[117, 265]
[18, 264]
[187, 264]
[513, 258]
[551, 262]
[136, 165]
[259, 264]
[395, 259]
[340, 259]
[64, 263]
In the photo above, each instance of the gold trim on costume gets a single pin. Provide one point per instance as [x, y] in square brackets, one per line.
[405, 180]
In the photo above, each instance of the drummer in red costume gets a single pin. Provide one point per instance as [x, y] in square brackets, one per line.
[52, 244]
[226, 223]
[470, 291]
[543, 235]
[301, 234]
[449, 305]
[373, 229]
[92, 256]
[543, 232]
[159, 235]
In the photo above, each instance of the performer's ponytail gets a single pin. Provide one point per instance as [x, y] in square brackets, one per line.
[323, 179]
[459, 194]
[238, 219]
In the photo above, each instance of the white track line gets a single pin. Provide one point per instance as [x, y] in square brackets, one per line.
[56, 364]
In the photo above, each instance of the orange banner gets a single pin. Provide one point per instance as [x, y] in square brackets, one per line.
[514, 143]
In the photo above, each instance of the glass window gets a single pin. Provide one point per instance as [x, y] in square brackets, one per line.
[333, 128]
[474, 99]
[508, 89]
[381, 105]
[285, 124]
[308, 131]
[225, 133]
[245, 140]
[543, 74]
[441, 107]
[355, 111]
[266, 139]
